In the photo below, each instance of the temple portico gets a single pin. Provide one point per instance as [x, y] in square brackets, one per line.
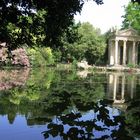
[123, 47]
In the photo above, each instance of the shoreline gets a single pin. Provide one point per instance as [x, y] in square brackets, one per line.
[117, 68]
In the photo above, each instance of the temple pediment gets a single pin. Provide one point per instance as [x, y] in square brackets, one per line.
[127, 32]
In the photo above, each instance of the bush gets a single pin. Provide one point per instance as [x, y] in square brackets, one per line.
[47, 55]
[17, 57]
[57, 54]
[20, 57]
[40, 56]
[131, 65]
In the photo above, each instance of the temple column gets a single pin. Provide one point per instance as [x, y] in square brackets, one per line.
[136, 60]
[134, 53]
[124, 52]
[110, 52]
[116, 52]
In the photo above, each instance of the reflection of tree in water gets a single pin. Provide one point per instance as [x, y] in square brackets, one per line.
[78, 126]
[133, 118]
[24, 98]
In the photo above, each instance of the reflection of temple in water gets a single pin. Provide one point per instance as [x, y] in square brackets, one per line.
[121, 88]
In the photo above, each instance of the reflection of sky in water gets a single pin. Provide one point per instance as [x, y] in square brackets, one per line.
[90, 115]
[19, 130]
[112, 112]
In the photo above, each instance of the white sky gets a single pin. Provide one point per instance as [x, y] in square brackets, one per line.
[103, 16]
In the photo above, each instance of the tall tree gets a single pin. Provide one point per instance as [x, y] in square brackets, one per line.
[135, 1]
[59, 17]
[89, 45]
[132, 16]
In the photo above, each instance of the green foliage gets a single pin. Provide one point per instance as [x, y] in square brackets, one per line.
[133, 119]
[132, 16]
[90, 45]
[135, 1]
[40, 56]
[14, 32]
[131, 65]
[37, 21]
[46, 52]
[27, 30]
[57, 55]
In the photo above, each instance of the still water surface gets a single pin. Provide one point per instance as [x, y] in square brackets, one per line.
[60, 104]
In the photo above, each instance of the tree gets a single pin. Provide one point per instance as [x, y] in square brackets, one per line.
[27, 29]
[135, 1]
[59, 17]
[132, 16]
[90, 44]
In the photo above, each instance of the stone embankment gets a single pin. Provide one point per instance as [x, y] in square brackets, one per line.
[117, 68]
[84, 65]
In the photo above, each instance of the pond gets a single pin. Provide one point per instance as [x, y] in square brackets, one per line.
[56, 104]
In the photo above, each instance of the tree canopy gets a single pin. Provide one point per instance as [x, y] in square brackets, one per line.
[90, 44]
[135, 1]
[58, 17]
[132, 16]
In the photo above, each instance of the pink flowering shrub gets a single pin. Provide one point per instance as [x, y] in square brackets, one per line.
[3, 54]
[20, 57]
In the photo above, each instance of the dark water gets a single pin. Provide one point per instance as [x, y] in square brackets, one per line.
[69, 105]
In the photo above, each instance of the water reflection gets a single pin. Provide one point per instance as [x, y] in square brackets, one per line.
[101, 123]
[94, 106]
[122, 87]
[13, 78]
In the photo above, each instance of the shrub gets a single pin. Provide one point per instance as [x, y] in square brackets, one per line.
[131, 65]
[47, 55]
[57, 54]
[20, 57]
[40, 56]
